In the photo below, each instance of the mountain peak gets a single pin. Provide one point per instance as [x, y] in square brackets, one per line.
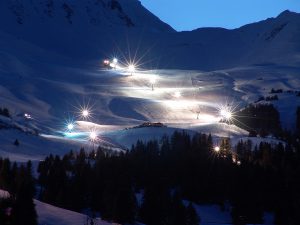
[288, 13]
[96, 13]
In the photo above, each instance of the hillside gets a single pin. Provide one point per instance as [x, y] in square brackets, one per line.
[83, 30]
[51, 71]
[88, 31]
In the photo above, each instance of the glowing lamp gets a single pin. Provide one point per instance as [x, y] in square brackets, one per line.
[93, 136]
[85, 113]
[217, 149]
[131, 68]
[70, 126]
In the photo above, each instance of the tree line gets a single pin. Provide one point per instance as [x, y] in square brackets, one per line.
[158, 182]
[4, 112]
[18, 208]
[259, 119]
[174, 169]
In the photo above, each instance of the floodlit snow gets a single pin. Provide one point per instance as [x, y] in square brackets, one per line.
[119, 101]
[34, 147]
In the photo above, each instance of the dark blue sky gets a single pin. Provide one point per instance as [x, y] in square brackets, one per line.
[192, 14]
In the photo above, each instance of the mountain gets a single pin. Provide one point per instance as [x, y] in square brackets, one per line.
[80, 29]
[50, 69]
[97, 14]
[49, 60]
[87, 31]
[272, 41]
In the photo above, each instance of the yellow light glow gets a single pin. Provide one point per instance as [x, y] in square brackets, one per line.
[217, 149]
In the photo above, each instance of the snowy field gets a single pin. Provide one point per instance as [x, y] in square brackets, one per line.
[50, 68]
[118, 100]
[51, 215]
[209, 214]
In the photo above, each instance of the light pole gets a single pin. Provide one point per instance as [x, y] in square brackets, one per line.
[152, 82]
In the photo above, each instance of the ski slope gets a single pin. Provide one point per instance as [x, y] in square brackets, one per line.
[50, 69]
[118, 100]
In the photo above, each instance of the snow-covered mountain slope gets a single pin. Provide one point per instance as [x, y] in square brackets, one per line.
[51, 86]
[33, 147]
[88, 31]
[273, 41]
[118, 101]
[47, 70]
[84, 30]
[97, 13]
[50, 55]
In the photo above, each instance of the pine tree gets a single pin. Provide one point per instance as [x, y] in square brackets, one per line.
[192, 217]
[24, 208]
[23, 211]
[178, 213]
[16, 142]
[125, 206]
[5, 176]
[225, 147]
[155, 209]
[298, 118]
[4, 112]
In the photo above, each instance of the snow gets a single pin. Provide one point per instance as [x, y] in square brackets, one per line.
[97, 31]
[119, 101]
[50, 67]
[32, 147]
[51, 215]
[4, 194]
[212, 214]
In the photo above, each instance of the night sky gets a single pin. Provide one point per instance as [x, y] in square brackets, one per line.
[192, 14]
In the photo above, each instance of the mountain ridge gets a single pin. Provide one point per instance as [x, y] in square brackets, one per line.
[95, 29]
